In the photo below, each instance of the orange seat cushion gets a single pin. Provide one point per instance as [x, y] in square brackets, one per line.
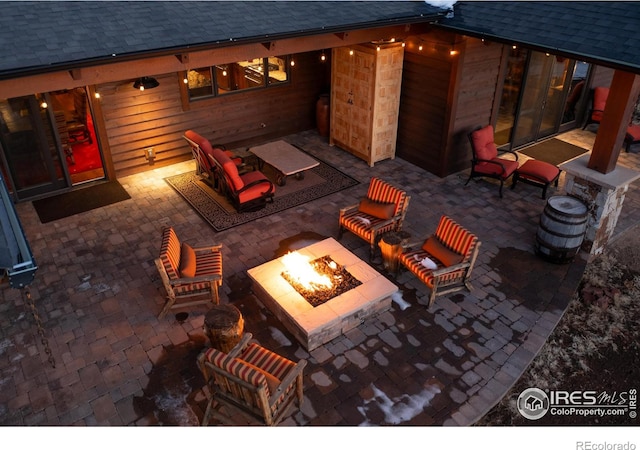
[438, 250]
[381, 210]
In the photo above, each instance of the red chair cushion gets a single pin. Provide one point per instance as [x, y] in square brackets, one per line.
[503, 169]
[634, 132]
[539, 171]
[256, 191]
[483, 144]
[600, 95]
[229, 168]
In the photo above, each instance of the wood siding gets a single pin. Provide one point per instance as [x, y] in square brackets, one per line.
[136, 120]
[479, 75]
[423, 107]
[443, 98]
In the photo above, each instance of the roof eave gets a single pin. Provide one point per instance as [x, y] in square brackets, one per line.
[125, 57]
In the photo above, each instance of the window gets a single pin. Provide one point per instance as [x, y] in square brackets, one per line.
[226, 78]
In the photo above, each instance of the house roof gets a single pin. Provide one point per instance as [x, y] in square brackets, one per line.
[49, 35]
[602, 32]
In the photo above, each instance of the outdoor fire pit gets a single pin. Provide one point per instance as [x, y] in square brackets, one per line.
[318, 320]
[319, 280]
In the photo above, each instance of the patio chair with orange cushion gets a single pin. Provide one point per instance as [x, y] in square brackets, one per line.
[485, 161]
[444, 261]
[201, 148]
[250, 380]
[382, 210]
[248, 191]
[188, 273]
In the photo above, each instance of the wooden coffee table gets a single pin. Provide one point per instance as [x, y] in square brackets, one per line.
[285, 158]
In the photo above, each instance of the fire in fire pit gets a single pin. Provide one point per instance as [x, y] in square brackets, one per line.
[317, 281]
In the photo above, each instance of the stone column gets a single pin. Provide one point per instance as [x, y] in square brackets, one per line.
[603, 194]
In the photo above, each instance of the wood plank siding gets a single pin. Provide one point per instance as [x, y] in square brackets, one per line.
[136, 120]
[443, 98]
[479, 75]
[423, 106]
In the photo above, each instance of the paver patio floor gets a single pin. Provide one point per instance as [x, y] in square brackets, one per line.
[98, 294]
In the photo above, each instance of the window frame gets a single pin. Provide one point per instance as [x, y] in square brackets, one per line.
[218, 92]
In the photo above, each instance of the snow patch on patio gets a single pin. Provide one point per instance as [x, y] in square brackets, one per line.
[279, 336]
[396, 298]
[400, 409]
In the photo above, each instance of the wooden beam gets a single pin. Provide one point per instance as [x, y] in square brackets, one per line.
[623, 93]
[183, 58]
[75, 74]
[269, 45]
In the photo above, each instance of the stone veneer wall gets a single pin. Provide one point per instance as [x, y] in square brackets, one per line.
[604, 204]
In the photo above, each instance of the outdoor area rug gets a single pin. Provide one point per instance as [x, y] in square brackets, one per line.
[78, 201]
[318, 182]
[554, 151]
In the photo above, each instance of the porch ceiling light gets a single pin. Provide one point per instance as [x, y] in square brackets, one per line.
[146, 83]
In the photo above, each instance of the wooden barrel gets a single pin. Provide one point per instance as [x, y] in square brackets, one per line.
[322, 115]
[224, 325]
[561, 230]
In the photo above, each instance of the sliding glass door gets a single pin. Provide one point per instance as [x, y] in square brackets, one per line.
[30, 144]
[535, 99]
[542, 101]
[48, 143]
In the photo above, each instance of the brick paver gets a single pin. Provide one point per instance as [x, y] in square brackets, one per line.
[98, 293]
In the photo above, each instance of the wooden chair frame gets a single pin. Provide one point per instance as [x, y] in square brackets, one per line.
[230, 394]
[198, 290]
[447, 279]
[373, 231]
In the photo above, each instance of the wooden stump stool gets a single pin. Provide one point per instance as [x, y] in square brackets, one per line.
[391, 246]
[224, 325]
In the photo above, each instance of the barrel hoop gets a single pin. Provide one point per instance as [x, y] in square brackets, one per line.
[552, 247]
[555, 233]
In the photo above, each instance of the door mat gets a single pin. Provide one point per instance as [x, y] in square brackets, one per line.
[79, 201]
[554, 151]
[318, 182]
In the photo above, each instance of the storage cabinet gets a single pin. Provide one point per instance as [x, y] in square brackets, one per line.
[365, 98]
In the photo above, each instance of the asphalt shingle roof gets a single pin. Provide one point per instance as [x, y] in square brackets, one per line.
[607, 32]
[40, 35]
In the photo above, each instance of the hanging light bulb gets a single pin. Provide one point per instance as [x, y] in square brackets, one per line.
[378, 48]
[43, 104]
[323, 56]
[97, 95]
[350, 52]
[293, 63]
[420, 47]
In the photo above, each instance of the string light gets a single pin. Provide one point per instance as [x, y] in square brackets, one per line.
[420, 47]
[293, 63]
[43, 105]
[350, 52]
[323, 56]
[97, 95]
